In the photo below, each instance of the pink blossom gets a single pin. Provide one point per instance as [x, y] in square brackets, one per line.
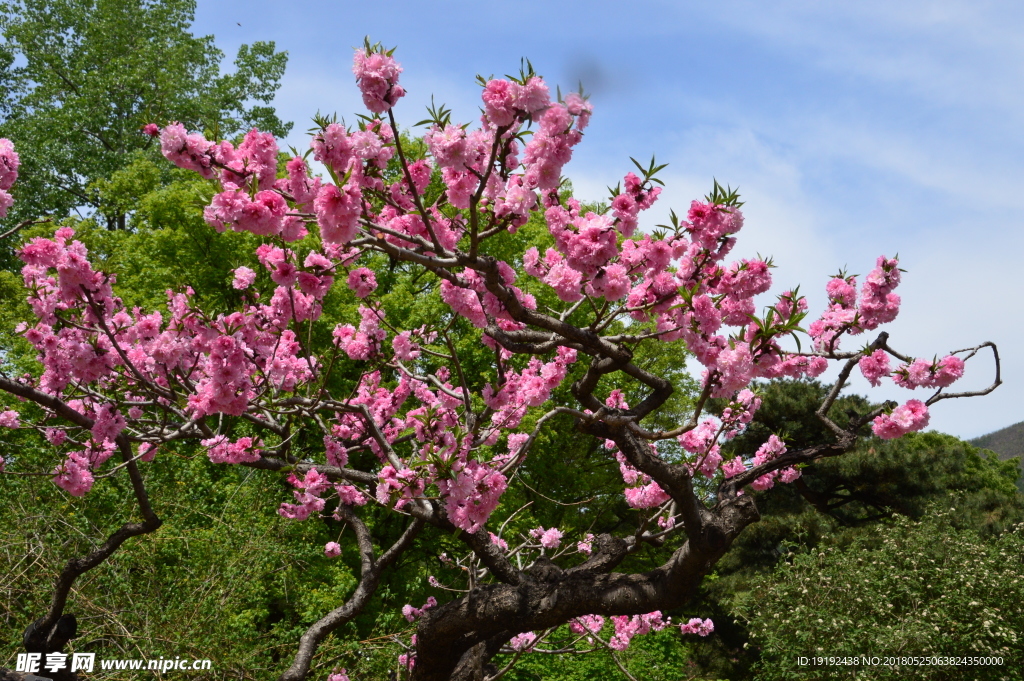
[56, 436]
[222, 450]
[108, 424]
[472, 495]
[9, 419]
[411, 614]
[733, 467]
[498, 541]
[377, 76]
[9, 162]
[332, 147]
[647, 495]
[350, 496]
[533, 96]
[151, 129]
[586, 546]
[405, 349]
[874, 366]
[337, 455]
[362, 281]
[698, 626]
[74, 476]
[332, 549]
[842, 291]
[191, 152]
[341, 675]
[922, 373]
[6, 201]
[147, 451]
[906, 418]
[337, 213]
[736, 369]
[307, 493]
[788, 475]
[585, 623]
[549, 539]
[773, 448]
[949, 369]
[579, 107]
[244, 277]
[626, 628]
[500, 97]
[523, 641]
[448, 146]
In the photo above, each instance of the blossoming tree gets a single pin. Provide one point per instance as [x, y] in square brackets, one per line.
[415, 433]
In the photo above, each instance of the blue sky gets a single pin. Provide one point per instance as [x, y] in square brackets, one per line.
[853, 129]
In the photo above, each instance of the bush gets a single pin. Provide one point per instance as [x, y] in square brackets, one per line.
[909, 589]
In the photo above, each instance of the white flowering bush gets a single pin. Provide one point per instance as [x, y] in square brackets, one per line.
[921, 589]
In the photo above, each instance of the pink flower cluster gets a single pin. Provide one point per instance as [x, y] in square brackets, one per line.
[920, 373]
[906, 418]
[848, 313]
[412, 614]
[376, 73]
[634, 198]
[332, 549]
[646, 494]
[586, 623]
[244, 278]
[924, 374]
[362, 281]
[221, 450]
[398, 486]
[874, 366]
[702, 442]
[498, 541]
[549, 539]
[308, 493]
[770, 450]
[586, 546]
[530, 387]
[472, 494]
[74, 476]
[9, 419]
[365, 342]
[698, 626]
[523, 641]
[628, 627]
[9, 163]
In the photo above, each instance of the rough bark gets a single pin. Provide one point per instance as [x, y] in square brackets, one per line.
[455, 640]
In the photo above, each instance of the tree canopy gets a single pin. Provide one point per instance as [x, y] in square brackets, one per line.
[401, 347]
[82, 78]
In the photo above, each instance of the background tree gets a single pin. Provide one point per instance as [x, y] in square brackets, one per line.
[842, 501]
[91, 73]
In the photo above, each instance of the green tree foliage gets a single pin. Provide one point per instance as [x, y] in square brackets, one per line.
[225, 578]
[842, 500]
[1008, 443]
[927, 588]
[89, 74]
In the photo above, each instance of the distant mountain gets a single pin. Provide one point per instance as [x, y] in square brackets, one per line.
[1007, 443]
